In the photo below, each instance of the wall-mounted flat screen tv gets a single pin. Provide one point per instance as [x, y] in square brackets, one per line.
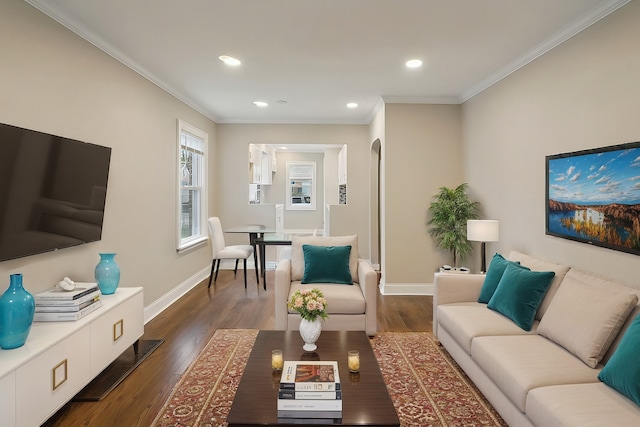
[593, 196]
[52, 192]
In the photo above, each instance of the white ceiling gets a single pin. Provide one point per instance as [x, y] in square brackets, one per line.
[317, 55]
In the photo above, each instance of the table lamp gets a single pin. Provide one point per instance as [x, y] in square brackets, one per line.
[483, 230]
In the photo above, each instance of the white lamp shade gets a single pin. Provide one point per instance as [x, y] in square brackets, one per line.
[483, 230]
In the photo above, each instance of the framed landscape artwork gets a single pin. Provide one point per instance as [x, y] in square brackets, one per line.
[593, 196]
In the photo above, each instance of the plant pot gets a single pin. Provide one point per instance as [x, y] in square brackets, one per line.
[310, 332]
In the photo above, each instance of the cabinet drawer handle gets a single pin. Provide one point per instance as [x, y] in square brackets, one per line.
[118, 329]
[60, 374]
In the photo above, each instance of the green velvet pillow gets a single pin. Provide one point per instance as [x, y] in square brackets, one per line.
[622, 371]
[326, 264]
[493, 276]
[519, 293]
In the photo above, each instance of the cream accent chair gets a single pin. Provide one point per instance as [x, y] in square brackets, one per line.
[350, 307]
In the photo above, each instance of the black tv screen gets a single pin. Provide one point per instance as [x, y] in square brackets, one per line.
[52, 192]
[593, 196]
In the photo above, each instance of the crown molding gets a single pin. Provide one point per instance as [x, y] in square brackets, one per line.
[93, 38]
[590, 18]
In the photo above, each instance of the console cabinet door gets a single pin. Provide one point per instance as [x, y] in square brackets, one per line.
[50, 379]
[8, 401]
[115, 331]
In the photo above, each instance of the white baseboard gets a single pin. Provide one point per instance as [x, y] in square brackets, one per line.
[406, 288]
[159, 305]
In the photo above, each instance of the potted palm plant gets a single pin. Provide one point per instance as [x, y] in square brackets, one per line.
[449, 212]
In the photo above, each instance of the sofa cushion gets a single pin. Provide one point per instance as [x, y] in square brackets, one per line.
[326, 264]
[586, 314]
[622, 372]
[340, 299]
[520, 363]
[584, 405]
[536, 264]
[493, 276]
[297, 256]
[466, 320]
[519, 294]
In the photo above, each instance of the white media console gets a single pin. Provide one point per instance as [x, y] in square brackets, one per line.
[60, 358]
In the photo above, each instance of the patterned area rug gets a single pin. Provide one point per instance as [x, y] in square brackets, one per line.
[426, 385]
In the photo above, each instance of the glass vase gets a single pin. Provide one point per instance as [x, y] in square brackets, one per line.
[107, 274]
[310, 332]
[17, 308]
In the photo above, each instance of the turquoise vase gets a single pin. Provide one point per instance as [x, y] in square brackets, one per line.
[17, 308]
[107, 274]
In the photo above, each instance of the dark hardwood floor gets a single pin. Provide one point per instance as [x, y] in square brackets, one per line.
[188, 325]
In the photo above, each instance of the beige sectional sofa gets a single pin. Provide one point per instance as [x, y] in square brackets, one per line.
[549, 375]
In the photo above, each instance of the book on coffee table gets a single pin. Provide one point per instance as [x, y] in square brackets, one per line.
[310, 389]
[310, 376]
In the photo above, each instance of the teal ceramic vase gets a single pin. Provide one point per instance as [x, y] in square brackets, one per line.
[107, 274]
[17, 308]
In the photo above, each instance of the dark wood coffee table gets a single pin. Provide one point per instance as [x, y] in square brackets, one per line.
[365, 400]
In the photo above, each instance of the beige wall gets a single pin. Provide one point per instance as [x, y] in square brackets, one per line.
[232, 174]
[53, 81]
[583, 94]
[421, 152]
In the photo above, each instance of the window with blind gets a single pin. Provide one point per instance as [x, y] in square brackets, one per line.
[301, 185]
[192, 181]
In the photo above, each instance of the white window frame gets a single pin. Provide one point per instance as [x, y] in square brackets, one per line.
[292, 175]
[195, 141]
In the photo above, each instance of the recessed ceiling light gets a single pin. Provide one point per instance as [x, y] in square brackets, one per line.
[414, 63]
[261, 104]
[229, 60]
[352, 105]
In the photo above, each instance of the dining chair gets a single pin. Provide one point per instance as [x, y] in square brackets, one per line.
[222, 251]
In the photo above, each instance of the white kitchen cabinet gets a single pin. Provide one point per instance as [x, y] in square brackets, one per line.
[342, 166]
[261, 165]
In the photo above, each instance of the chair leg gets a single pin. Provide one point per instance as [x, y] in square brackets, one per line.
[235, 270]
[217, 271]
[213, 265]
[245, 272]
[257, 275]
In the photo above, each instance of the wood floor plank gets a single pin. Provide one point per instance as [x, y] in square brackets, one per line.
[188, 324]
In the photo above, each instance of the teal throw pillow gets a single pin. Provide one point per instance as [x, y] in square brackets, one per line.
[622, 371]
[519, 293]
[326, 264]
[493, 276]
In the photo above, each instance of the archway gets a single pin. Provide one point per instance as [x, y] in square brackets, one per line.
[374, 207]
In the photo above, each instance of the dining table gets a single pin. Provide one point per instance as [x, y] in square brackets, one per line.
[255, 232]
[270, 239]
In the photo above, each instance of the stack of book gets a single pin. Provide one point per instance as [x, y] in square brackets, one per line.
[57, 305]
[310, 389]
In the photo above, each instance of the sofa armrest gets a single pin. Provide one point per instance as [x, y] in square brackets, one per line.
[282, 286]
[454, 287]
[368, 282]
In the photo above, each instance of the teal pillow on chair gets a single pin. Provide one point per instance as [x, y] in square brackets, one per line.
[622, 371]
[326, 264]
[493, 276]
[519, 293]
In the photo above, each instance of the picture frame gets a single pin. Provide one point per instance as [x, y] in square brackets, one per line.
[593, 196]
